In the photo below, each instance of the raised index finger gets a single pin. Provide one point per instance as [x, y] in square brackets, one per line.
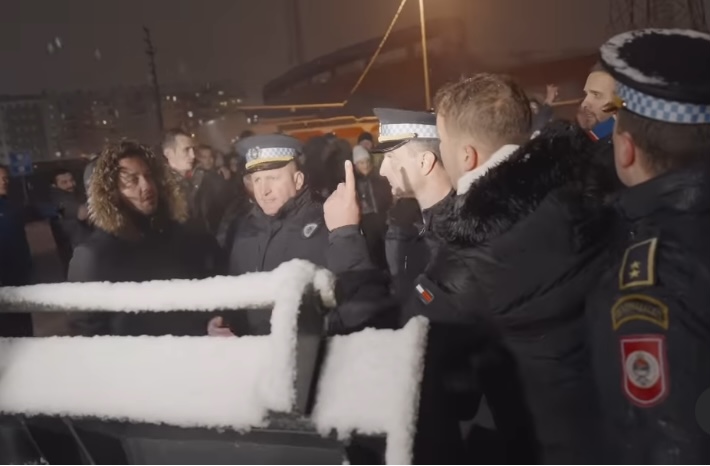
[349, 177]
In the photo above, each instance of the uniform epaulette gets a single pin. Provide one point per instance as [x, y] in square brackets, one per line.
[639, 265]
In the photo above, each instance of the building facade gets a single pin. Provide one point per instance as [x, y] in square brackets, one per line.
[25, 122]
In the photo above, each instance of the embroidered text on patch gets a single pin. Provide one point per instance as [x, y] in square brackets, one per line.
[644, 369]
[424, 294]
[309, 229]
[638, 267]
[639, 307]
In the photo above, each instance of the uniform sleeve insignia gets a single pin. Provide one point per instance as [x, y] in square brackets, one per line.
[644, 368]
[309, 230]
[639, 307]
[638, 267]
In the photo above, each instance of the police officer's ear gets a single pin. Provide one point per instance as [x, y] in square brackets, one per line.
[299, 179]
[427, 161]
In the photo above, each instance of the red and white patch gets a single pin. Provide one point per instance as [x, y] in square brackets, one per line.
[424, 294]
[644, 369]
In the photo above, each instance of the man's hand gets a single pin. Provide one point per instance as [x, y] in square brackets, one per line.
[342, 208]
[552, 93]
[216, 328]
[83, 212]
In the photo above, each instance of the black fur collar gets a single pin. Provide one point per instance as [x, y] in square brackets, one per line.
[508, 193]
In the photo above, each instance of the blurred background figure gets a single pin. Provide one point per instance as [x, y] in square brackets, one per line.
[15, 257]
[599, 93]
[543, 111]
[375, 197]
[365, 140]
[324, 158]
[70, 225]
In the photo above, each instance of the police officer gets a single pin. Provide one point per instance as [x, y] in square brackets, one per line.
[650, 316]
[285, 223]
[412, 165]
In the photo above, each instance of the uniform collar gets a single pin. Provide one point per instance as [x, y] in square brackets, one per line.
[680, 191]
[428, 214]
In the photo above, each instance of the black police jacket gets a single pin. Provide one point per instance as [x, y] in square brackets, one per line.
[409, 242]
[650, 324]
[260, 242]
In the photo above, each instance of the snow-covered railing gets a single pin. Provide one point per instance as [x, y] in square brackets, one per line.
[368, 384]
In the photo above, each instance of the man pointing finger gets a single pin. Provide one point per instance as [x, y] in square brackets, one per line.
[342, 208]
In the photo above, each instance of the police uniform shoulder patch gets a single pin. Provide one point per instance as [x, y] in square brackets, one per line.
[309, 230]
[639, 307]
[638, 268]
[644, 368]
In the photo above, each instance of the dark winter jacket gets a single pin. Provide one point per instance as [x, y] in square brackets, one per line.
[202, 192]
[15, 265]
[519, 260]
[15, 257]
[127, 246]
[602, 134]
[505, 299]
[543, 116]
[649, 321]
[260, 243]
[212, 199]
[375, 200]
[67, 205]
[68, 231]
[410, 243]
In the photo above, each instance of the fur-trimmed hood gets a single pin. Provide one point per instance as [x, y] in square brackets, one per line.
[109, 213]
[560, 157]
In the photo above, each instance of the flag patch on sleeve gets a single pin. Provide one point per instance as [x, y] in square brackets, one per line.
[644, 369]
[425, 295]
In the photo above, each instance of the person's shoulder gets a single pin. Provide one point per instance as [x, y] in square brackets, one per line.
[98, 241]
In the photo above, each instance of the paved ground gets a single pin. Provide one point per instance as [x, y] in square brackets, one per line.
[47, 269]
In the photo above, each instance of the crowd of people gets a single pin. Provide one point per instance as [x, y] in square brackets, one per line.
[562, 265]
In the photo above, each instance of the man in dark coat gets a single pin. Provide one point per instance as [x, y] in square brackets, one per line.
[70, 227]
[15, 258]
[505, 293]
[179, 149]
[649, 317]
[285, 222]
[138, 212]
[215, 192]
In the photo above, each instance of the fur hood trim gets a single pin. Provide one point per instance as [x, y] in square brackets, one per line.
[108, 212]
[512, 190]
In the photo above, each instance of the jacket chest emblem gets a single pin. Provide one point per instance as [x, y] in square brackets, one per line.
[309, 230]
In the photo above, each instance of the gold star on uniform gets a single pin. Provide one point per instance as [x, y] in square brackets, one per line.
[635, 271]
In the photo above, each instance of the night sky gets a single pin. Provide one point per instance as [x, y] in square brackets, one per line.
[248, 40]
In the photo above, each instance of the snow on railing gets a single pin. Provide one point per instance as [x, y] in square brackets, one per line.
[369, 382]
